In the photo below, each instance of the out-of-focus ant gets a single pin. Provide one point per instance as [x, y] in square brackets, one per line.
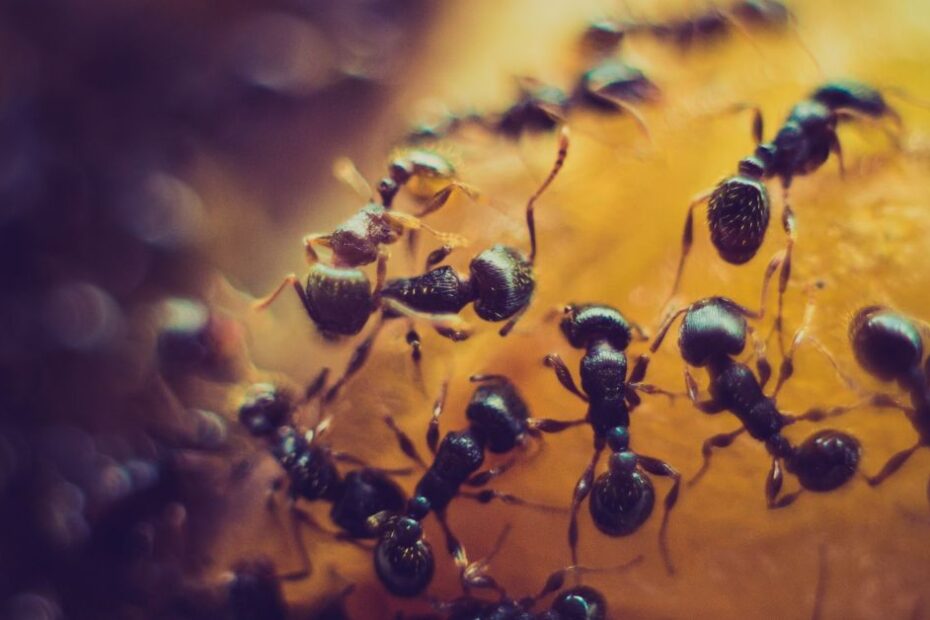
[577, 603]
[623, 498]
[604, 36]
[609, 86]
[310, 467]
[888, 346]
[738, 208]
[500, 284]
[713, 332]
[498, 422]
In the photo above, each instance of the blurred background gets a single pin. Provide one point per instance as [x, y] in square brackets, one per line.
[160, 163]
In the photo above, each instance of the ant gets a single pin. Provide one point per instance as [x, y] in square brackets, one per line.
[738, 207]
[605, 36]
[888, 346]
[577, 603]
[310, 467]
[610, 86]
[621, 499]
[501, 280]
[499, 421]
[713, 332]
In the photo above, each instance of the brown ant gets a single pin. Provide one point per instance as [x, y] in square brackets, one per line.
[738, 207]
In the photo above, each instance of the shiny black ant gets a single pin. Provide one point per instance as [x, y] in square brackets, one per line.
[501, 280]
[889, 347]
[738, 207]
[623, 498]
[604, 36]
[499, 422]
[713, 332]
[310, 467]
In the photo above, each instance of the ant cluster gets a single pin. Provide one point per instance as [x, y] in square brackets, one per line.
[369, 506]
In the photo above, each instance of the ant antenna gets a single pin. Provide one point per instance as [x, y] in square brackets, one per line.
[344, 170]
[559, 162]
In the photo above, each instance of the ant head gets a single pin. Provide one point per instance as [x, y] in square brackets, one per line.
[403, 560]
[768, 12]
[603, 36]
[826, 460]
[365, 492]
[265, 408]
[586, 323]
[738, 216]
[579, 603]
[423, 171]
[711, 328]
[533, 111]
[339, 299]
[255, 590]
[613, 79]
[498, 413]
[853, 95]
[503, 282]
[885, 343]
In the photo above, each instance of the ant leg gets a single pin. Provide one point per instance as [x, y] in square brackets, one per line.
[320, 239]
[648, 388]
[582, 489]
[289, 279]
[413, 339]
[787, 363]
[437, 256]
[451, 326]
[316, 386]
[454, 547]
[410, 222]
[762, 362]
[630, 109]
[381, 275]
[893, 465]
[660, 468]
[722, 440]
[432, 431]
[546, 425]
[307, 519]
[817, 414]
[736, 108]
[305, 566]
[687, 240]
[405, 443]
[790, 227]
[488, 495]
[345, 457]
[475, 574]
[709, 406]
[564, 375]
[356, 361]
[440, 198]
[489, 378]
[482, 478]
[553, 173]
[509, 325]
[556, 580]
[836, 148]
[773, 482]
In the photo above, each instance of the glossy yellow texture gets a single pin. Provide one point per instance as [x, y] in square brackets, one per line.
[609, 231]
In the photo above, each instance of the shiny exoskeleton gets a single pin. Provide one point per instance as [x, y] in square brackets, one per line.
[889, 346]
[499, 422]
[605, 36]
[622, 498]
[310, 467]
[500, 282]
[713, 332]
[739, 208]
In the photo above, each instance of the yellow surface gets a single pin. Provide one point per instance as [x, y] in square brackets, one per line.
[609, 231]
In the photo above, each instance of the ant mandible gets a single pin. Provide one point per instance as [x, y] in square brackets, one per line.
[621, 499]
[499, 421]
[712, 333]
[310, 467]
[738, 207]
[888, 346]
[501, 280]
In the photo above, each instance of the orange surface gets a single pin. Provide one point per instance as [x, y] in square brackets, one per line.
[609, 231]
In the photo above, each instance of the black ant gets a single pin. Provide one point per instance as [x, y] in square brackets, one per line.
[888, 346]
[499, 421]
[577, 603]
[501, 280]
[623, 498]
[714, 331]
[610, 86]
[738, 207]
[310, 467]
[605, 36]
